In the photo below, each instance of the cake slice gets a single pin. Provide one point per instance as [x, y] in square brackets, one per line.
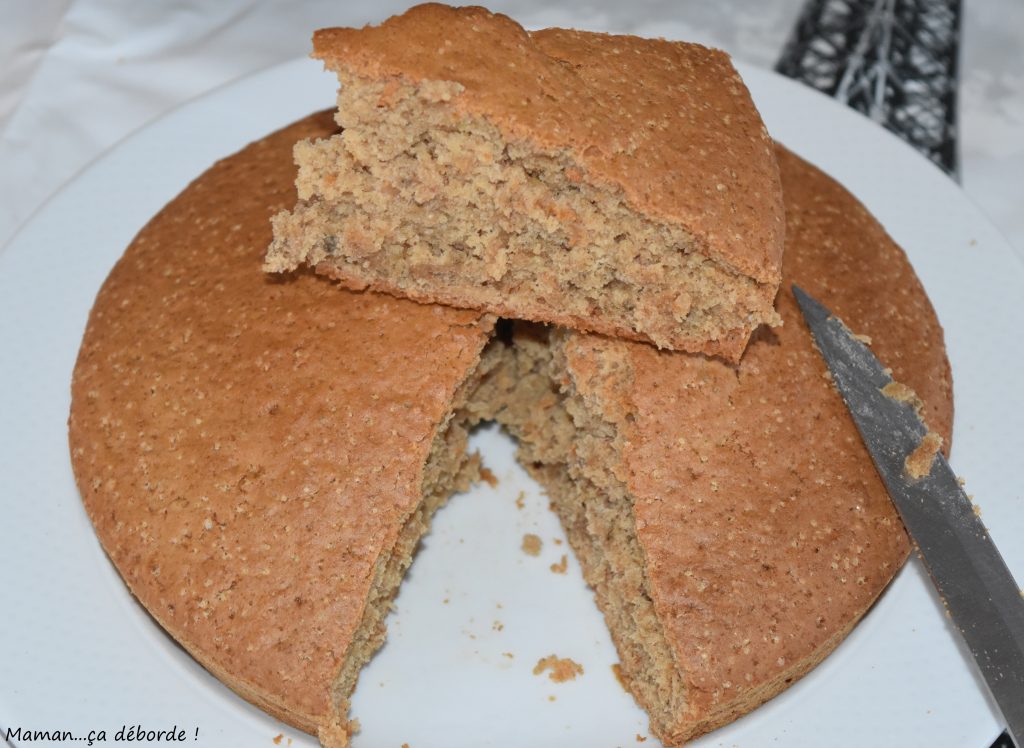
[612, 184]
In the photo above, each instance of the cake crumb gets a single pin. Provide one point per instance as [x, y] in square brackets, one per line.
[405, 745]
[904, 394]
[640, 738]
[617, 672]
[865, 339]
[498, 626]
[508, 654]
[521, 500]
[919, 462]
[562, 566]
[558, 541]
[552, 697]
[488, 477]
[531, 544]
[279, 738]
[562, 668]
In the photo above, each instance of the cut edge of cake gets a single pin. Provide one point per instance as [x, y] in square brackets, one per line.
[568, 442]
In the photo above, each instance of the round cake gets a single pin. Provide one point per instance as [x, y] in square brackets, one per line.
[260, 455]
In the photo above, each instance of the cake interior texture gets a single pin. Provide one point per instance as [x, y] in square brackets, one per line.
[567, 443]
[418, 197]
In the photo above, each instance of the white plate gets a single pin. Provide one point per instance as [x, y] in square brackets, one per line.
[77, 653]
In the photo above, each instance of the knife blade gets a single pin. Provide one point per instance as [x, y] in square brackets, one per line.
[978, 590]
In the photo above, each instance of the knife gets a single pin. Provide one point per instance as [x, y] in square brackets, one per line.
[980, 595]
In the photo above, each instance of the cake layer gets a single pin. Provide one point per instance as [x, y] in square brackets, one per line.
[608, 183]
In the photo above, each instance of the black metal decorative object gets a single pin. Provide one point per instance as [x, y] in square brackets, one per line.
[893, 60]
[1003, 741]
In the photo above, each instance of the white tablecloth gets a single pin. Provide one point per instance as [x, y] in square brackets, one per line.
[77, 76]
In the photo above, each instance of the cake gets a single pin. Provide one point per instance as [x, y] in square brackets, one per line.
[611, 184]
[260, 454]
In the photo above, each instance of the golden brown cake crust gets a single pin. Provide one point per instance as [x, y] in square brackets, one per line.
[651, 117]
[247, 447]
[766, 529]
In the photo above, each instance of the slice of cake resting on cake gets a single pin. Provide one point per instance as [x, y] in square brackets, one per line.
[613, 184]
[260, 455]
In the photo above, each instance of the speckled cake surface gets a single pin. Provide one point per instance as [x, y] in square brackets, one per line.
[715, 173]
